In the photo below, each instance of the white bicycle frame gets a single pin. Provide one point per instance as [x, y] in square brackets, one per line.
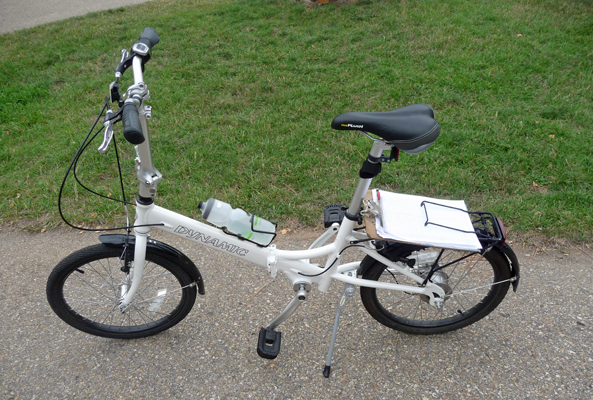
[295, 265]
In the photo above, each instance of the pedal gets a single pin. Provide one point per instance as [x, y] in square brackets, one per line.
[268, 345]
[333, 213]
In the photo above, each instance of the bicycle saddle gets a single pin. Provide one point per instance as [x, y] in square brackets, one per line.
[412, 128]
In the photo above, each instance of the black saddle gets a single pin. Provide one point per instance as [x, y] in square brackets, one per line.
[412, 128]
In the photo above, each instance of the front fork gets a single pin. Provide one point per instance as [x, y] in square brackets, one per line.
[149, 178]
[136, 271]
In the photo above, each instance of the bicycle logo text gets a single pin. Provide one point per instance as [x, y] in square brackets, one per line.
[214, 242]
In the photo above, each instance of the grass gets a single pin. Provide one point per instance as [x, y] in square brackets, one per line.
[243, 93]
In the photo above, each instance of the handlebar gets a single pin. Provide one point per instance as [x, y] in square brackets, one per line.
[149, 37]
[139, 55]
[131, 122]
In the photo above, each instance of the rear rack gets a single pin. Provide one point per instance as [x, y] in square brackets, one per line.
[489, 229]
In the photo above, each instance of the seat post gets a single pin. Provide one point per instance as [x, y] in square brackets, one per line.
[356, 203]
[371, 167]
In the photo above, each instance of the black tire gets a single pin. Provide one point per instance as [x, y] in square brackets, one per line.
[470, 282]
[84, 291]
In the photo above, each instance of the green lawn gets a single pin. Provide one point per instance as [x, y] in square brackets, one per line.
[243, 93]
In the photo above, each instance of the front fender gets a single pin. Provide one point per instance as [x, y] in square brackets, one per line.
[162, 249]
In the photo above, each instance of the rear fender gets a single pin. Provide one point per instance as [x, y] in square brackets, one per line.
[161, 249]
[514, 262]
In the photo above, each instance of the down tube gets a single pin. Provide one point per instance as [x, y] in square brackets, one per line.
[202, 234]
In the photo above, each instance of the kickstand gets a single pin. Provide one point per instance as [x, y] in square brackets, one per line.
[348, 292]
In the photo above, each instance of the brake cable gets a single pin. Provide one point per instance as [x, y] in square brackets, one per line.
[73, 166]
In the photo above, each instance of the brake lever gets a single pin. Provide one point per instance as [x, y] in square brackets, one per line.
[110, 118]
[124, 64]
[124, 55]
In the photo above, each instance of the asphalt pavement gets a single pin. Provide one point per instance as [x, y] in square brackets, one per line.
[21, 14]
[535, 345]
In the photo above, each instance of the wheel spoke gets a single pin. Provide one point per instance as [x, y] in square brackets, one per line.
[85, 291]
[470, 281]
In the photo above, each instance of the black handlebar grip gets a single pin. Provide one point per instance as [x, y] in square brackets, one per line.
[131, 122]
[149, 37]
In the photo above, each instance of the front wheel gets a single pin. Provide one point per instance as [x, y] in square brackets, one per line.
[474, 284]
[85, 288]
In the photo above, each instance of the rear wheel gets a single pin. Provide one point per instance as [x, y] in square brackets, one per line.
[470, 281]
[85, 288]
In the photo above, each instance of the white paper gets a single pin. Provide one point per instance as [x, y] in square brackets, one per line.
[403, 218]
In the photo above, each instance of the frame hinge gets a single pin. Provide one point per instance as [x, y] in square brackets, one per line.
[272, 260]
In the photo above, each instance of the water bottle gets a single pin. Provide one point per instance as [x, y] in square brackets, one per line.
[238, 221]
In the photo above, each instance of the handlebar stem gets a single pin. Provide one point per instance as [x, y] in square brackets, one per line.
[146, 172]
